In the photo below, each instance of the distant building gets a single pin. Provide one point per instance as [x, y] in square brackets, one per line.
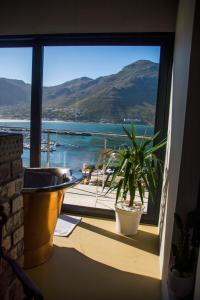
[126, 120]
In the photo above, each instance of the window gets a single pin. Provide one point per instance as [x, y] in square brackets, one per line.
[89, 94]
[92, 85]
[15, 94]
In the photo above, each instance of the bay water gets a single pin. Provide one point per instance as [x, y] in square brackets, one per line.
[76, 150]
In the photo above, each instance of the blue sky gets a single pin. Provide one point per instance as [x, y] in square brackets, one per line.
[66, 63]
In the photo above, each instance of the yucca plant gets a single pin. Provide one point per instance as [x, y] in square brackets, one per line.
[137, 168]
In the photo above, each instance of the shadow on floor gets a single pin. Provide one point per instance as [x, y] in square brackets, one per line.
[142, 240]
[71, 275]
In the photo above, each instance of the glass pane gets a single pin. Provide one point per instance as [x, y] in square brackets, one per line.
[89, 94]
[15, 93]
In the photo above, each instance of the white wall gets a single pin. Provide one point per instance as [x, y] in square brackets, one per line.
[179, 91]
[65, 16]
[197, 285]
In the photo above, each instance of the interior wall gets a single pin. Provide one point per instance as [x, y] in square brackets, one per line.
[190, 162]
[188, 192]
[178, 103]
[197, 285]
[77, 16]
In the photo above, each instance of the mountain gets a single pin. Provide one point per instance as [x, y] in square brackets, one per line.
[14, 92]
[128, 94]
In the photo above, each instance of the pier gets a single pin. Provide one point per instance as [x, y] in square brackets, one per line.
[67, 132]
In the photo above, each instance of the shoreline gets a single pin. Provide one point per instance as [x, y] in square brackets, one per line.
[61, 121]
[26, 120]
[13, 120]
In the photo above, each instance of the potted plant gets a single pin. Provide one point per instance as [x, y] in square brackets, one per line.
[137, 170]
[87, 170]
[184, 251]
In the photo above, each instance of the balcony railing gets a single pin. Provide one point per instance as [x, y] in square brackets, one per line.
[89, 193]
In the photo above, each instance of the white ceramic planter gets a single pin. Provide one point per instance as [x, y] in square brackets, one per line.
[180, 287]
[127, 221]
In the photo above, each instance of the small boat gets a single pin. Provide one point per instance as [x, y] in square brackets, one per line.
[26, 146]
[44, 147]
[59, 144]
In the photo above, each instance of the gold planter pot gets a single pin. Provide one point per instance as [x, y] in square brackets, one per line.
[41, 211]
[42, 206]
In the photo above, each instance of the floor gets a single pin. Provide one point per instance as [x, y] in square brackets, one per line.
[93, 196]
[96, 263]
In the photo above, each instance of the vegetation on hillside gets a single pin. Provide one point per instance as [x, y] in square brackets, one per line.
[128, 95]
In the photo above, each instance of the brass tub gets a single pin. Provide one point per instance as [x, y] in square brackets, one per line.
[43, 196]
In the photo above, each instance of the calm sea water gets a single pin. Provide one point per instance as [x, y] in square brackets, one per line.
[76, 150]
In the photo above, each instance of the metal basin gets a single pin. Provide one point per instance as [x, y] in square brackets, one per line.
[43, 196]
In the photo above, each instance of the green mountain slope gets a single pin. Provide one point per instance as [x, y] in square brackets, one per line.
[129, 94]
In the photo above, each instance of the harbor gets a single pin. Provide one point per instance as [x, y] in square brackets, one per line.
[77, 149]
[71, 144]
[67, 132]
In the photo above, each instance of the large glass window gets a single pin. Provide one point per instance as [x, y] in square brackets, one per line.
[89, 94]
[15, 93]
